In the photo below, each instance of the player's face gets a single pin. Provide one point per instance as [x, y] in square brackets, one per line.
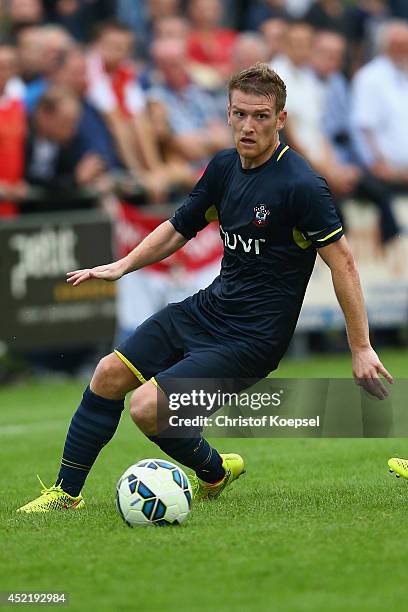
[255, 126]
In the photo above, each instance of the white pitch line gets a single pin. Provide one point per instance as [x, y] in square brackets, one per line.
[18, 430]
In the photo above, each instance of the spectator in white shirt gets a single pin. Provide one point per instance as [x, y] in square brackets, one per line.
[326, 61]
[380, 108]
[303, 130]
[310, 63]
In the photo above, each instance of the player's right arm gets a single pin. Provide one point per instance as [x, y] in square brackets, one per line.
[161, 243]
[166, 239]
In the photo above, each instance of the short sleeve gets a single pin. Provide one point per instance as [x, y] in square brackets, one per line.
[314, 213]
[200, 207]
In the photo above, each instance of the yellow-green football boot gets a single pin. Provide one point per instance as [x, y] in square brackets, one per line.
[399, 467]
[53, 498]
[234, 468]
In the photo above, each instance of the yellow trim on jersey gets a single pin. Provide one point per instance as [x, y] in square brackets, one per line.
[300, 239]
[211, 214]
[282, 153]
[131, 367]
[330, 235]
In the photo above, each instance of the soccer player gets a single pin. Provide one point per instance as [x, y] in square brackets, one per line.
[275, 213]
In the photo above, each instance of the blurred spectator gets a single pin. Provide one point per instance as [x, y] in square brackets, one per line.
[116, 93]
[195, 131]
[141, 15]
[55, 41]
[93, 135]
[303, 124]
[366, 19]
[274, 31]
[135, 15]
[304, 130]
[179, 28]
[30, 50]
[162, 8]
[208, 42]
[177, 173]
[260, 10]
[380, 103]
[327, 61]
[172, 26]
[54, 165]
[329, 15]
[12, 135]
[248, 49]
[78, 17]
[20, 14]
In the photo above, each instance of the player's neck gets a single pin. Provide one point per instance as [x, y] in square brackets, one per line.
[248, 163]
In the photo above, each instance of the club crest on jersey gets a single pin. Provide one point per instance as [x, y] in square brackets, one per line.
[261, 215]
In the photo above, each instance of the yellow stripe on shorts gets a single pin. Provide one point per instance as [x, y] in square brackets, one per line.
[131, 367]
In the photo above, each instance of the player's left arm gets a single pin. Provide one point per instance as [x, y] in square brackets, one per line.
[367, 367]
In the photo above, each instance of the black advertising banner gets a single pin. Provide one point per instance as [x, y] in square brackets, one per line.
[38, 308]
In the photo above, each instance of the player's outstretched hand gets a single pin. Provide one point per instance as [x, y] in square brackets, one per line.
[367, 369]
[109, 272]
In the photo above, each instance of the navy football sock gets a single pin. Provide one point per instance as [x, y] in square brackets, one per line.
[195, 453]
[92, 426]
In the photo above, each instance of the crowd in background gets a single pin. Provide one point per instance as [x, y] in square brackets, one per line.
[128, 97]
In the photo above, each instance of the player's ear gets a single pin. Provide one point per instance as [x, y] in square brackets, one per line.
[229, 114]
[282, 116]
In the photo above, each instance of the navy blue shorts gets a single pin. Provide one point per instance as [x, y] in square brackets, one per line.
[171, 344]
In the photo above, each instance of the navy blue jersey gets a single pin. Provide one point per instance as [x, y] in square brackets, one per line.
[272, 219]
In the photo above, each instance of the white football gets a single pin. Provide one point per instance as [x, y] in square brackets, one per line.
[153, 492]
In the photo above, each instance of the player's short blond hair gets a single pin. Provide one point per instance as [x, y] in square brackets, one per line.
[260, 80]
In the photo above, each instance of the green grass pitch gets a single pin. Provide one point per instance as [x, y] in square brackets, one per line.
[315, 524]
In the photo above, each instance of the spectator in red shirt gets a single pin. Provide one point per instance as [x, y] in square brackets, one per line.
[12, 136]
[115, 92]
[209, 43]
